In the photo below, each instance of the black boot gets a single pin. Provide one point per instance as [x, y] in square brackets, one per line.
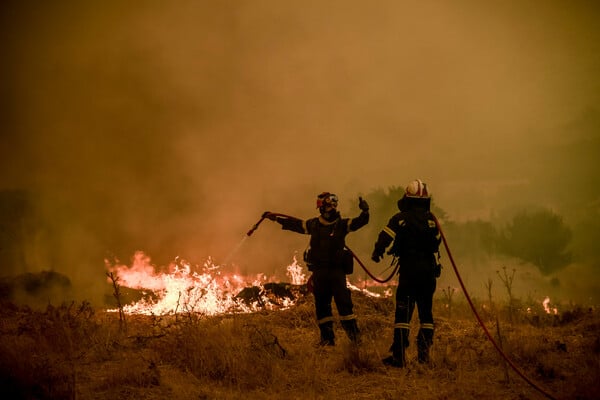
[398, 349]
[397, 359]
[424, 342]
[327, 335]
[351, 328]
[423, 355]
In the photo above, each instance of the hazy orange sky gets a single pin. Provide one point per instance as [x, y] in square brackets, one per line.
[176, 125]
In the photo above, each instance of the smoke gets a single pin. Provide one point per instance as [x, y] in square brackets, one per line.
[170, 128]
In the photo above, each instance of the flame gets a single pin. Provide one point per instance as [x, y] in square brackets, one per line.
[365, 291]
[546, 304]
[295, 272]
[209, 291]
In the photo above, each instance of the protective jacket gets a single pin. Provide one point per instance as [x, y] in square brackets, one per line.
[327, 238]
[415, 239]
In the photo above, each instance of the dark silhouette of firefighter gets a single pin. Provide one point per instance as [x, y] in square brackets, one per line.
[415, 239]
[329, 261]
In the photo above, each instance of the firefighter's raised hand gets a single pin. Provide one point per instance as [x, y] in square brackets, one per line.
[362, 204]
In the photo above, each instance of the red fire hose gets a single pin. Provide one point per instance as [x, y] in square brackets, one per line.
[370, 274]
[487, 333]
[481, 323]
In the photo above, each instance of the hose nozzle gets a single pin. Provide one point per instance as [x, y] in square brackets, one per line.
[255, 227]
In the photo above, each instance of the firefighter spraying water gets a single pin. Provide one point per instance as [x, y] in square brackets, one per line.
[329, 261]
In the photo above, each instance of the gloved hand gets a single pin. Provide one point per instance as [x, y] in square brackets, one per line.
[376, 257]
[269, 215]
[362, 204]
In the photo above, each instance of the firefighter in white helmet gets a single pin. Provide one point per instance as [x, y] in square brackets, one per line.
[329, 261]
[415, 240]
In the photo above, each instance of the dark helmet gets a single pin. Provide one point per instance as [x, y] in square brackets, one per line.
[327, 205]
[327, 199]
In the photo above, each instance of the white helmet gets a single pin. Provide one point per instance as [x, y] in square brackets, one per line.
[417, 188]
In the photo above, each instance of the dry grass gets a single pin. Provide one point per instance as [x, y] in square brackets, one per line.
[75, 352]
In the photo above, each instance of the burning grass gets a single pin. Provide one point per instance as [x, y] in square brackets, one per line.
[75, 351]
[192, 332]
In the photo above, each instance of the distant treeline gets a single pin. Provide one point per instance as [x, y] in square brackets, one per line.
[537, 236]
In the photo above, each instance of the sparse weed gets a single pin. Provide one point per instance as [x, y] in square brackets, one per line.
[71, 351]
[507, 280]
[448, 294]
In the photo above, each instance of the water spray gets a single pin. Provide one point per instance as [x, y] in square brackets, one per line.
[235, 250]
[249, 233]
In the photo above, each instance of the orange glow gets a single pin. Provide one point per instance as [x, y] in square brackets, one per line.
[547, 308]
[210, 291]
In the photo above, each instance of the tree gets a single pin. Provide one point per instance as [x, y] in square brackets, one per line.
[539, 237]
[475, 239]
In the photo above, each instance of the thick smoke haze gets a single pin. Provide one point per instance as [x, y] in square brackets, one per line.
[171, 127]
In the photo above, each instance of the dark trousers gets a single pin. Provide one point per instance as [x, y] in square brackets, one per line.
[328, 285]
[415, 292]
